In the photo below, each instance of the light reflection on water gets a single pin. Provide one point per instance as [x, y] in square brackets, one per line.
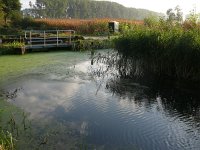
[122, 116]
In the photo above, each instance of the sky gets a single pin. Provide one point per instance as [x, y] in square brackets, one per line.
[154, 5]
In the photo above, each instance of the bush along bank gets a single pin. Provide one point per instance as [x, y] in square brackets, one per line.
[91, 44]
[11, 48]
[173, 52]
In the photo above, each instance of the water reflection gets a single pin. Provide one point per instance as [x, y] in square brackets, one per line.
[103, 111]
[136, 117]
[168, 93]
[40, 97]
[167, 99]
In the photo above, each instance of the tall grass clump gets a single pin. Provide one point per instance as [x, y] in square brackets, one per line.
[6, 141]
[171, 50]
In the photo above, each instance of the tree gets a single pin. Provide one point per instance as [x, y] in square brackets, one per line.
[179, 14]
[174, 15]
[193, 16]
[10, 8]
[1, 10]
[171, 15]
[50, 8]
[86, 9]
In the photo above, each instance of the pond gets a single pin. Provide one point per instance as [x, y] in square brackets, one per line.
[66, 106]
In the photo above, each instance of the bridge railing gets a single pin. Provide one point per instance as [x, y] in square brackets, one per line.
[49, 37]
[11, 38]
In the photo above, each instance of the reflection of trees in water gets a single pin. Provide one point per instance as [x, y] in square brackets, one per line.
[10, 94]
[126, 78]
[187, 104]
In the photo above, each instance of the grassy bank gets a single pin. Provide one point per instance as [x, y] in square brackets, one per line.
[164, 50]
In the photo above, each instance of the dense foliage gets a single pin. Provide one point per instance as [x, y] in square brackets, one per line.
[165, 49]
[84, 9]
[1, 11]
[10, 9]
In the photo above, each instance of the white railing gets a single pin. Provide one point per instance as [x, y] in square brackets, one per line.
[47, 38]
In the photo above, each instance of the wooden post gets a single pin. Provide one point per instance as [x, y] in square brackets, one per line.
[57, 37]
[70, 37]
[23, 50]
[30, 36]
[44, 38]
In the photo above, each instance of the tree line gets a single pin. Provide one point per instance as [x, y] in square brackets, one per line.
[84, 9]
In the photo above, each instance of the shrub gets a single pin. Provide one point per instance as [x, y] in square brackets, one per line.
[84, 45]
[11, 48]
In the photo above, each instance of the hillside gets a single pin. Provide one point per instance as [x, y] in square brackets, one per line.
[85, 9]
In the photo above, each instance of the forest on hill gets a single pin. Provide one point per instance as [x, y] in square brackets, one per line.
[84, 9]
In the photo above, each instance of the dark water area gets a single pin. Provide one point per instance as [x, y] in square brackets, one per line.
[70, 108]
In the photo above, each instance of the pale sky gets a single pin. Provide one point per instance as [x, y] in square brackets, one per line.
[155, 5]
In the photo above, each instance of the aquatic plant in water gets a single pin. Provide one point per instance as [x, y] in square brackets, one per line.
[6, 141]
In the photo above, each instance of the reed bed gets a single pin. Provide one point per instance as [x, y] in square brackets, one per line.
[167, 50]
[83, 26]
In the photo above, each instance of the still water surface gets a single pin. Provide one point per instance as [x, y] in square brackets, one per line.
[69, 108]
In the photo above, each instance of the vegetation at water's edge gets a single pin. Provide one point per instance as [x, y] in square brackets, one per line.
[79, 45]
[164, 48]
[10, 124]
[6, 141]
[90, 44]
[11, 48]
